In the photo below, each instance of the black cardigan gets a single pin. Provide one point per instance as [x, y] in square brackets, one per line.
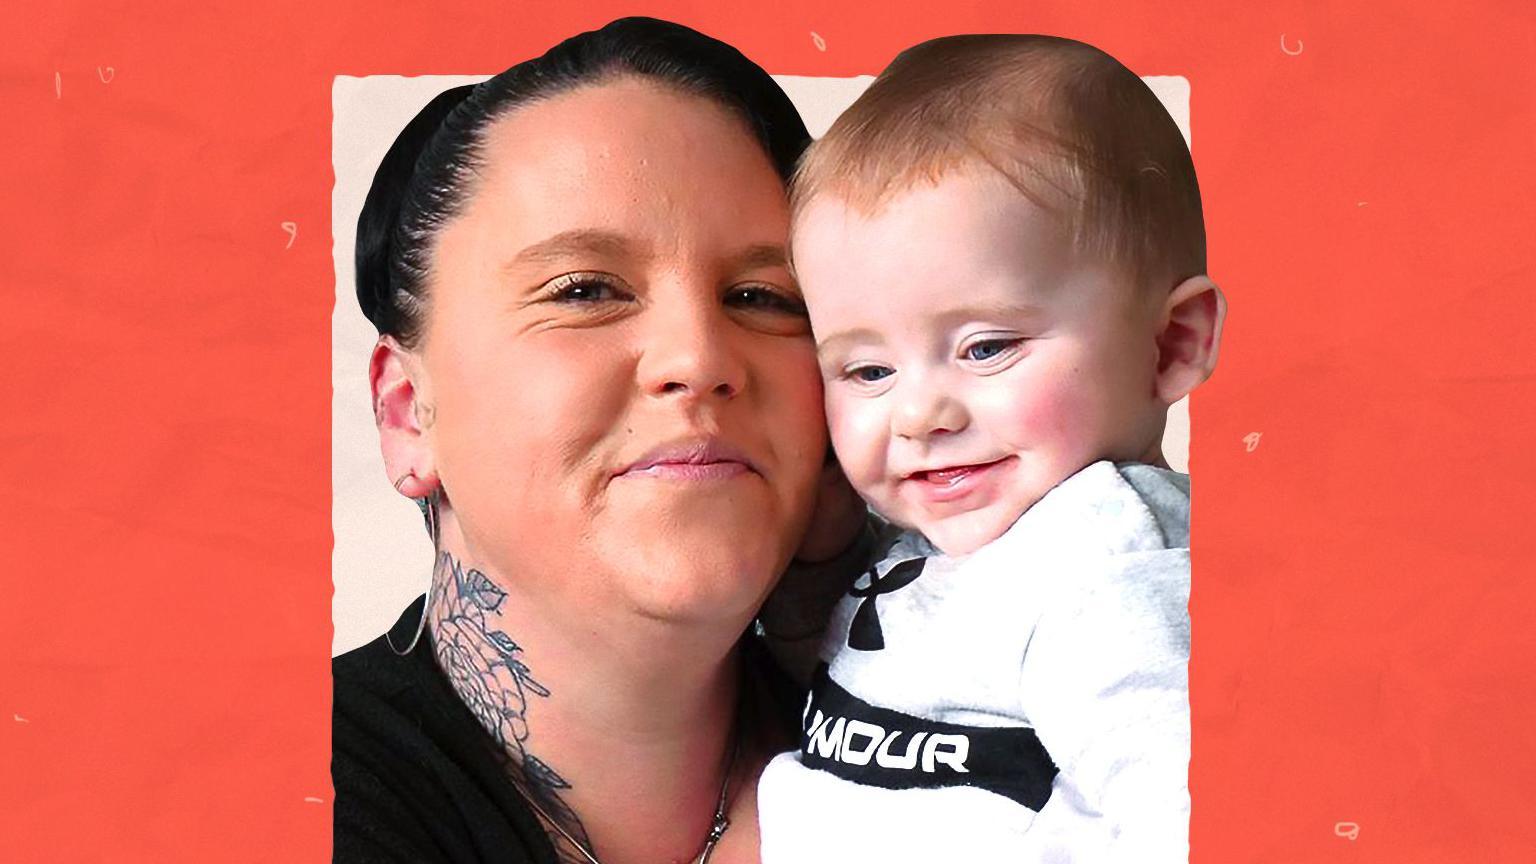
[418, 779]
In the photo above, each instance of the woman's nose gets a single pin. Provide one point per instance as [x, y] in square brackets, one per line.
[924, 409]
[689, 352]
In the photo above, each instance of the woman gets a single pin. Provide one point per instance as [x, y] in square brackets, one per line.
[594, 371]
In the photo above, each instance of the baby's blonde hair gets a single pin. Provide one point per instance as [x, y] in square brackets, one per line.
[1075, 131]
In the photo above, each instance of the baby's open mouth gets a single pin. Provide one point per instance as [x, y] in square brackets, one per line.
[953, 474]
[963, 486]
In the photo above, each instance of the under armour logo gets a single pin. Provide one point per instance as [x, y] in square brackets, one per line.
[864, 634]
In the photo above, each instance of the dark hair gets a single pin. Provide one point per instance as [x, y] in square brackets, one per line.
[426, 177]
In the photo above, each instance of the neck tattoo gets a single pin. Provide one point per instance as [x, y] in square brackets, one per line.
[487, 670]
[488, 673]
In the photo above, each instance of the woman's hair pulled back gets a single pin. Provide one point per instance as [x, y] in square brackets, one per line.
[428, 174]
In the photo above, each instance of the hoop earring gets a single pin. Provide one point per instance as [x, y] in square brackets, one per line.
[429, 512]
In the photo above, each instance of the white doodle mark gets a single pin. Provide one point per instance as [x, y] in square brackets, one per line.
[1359, 203]
[21, 719]
[312, 800]
[58, 85]
[1346, 829]
[821, 44]
[1287, 50]
[106, 75]
[293, 233]
[1251, 440]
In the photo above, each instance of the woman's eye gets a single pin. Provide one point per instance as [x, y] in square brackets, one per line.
[582, 288]
[870, 374]
[988, 348]
[762, 297]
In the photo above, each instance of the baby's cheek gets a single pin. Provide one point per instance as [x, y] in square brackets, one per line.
[1036, 417]
[859, 433]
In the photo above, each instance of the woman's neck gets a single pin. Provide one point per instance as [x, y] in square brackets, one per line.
[620, 732]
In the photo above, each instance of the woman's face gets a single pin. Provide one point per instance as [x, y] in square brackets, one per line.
[625, 406]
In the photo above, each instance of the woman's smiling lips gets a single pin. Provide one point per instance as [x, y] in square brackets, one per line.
[955, 483]
[691, 459]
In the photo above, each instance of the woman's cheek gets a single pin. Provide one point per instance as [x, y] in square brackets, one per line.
[807, 386]
[496, 458]
[795, 405]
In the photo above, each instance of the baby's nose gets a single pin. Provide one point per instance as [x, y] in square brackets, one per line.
[926, 411]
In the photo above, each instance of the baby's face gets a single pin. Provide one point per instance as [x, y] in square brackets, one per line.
[972, 358]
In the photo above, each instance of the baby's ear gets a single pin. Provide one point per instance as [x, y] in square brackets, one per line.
[399, 411]
[1189, 338]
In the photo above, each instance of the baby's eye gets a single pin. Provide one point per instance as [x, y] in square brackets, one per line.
[584, 288]
[765, 298]
[870, 374]
[986, 349]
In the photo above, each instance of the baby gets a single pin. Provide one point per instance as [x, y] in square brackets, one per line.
[1002, 250]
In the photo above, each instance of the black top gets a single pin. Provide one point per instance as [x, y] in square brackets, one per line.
[418, 779]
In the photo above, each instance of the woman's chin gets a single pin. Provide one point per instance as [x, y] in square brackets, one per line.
[699, 573]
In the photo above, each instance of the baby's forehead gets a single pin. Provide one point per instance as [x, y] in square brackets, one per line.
[1121, 180]
[969, 205]
[869, 196]
[964, 231]
[964, 221]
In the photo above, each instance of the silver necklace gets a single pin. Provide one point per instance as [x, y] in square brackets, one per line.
[716, 829]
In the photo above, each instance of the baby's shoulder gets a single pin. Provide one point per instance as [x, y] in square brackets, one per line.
[1165, 495]
[1106, 508]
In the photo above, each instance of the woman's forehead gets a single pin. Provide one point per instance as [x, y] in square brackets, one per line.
[627, 130]
[629, 159]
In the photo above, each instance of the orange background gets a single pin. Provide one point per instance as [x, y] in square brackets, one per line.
[1362, 581]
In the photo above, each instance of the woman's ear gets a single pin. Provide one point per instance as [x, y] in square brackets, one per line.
[1190, 337]
[402, 417]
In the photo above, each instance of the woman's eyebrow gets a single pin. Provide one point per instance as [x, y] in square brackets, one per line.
[760, 255]
[574, 243]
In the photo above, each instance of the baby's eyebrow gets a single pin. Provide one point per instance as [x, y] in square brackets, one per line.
[1007, 311]
[843, 338]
